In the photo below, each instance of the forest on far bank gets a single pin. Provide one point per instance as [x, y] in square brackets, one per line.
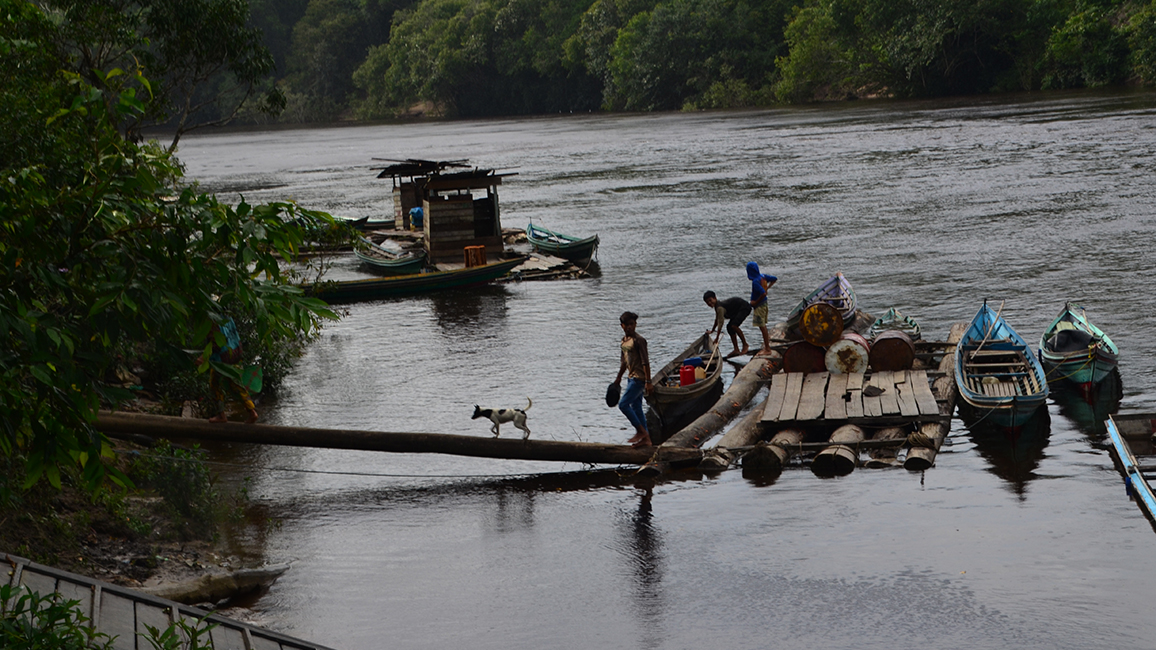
[383, 58]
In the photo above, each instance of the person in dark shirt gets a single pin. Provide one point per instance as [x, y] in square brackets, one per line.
[734, 311]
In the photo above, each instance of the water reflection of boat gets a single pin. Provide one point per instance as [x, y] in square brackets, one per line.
[1089, 406]
[1013, 452]
[996, 372]
[1131, 436]
[1074, 349]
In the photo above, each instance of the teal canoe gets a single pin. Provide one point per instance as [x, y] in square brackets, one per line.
[386, 262]
[569, 248]
[1073, 348]
[404, 285]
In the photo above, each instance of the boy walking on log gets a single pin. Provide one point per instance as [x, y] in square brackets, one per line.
[636, 366]
[760, 282]
[734, 311]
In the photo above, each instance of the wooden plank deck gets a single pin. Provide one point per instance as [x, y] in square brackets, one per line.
[122, 613]
[800, 398]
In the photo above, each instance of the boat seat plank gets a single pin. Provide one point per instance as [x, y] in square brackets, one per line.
[774, 404]
[905, 393]
[813, 397]
[924, 398]
[871, 406]
[836, 406]
[855, 394]
[791, 399]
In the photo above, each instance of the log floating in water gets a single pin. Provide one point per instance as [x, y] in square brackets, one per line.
[743, 434]
[770, 456]
[885, 456]
[920, 458]
[839, 459]
[125, 425]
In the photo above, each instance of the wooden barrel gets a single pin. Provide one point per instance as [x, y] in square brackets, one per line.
[804, 357]
[847, 355]
[839, 459]
[821, 324]
[892, 350]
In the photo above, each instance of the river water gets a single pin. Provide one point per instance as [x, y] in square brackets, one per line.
[929, 207]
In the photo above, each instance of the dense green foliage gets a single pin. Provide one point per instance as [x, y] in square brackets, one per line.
[488, 57]
[103, 251]
[33, 621]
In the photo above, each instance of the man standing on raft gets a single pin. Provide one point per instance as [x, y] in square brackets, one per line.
[760, 282]
[734, 311]
[636, 365]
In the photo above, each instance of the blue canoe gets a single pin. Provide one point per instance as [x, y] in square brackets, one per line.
[996, 373]
[1073, 348]
[1126, 432]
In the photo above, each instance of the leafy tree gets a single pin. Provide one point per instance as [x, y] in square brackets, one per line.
[1142, 43]
[486, 57]
[685, 50]
[206, 62]
[1086, 50]
[102, 249]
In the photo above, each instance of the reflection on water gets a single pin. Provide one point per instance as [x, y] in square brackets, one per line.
[1015, 453]
[922, 205]
[469, 308]
[644, 556]
[1090, 406]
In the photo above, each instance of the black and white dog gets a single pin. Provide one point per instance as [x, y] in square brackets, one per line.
[501, 416]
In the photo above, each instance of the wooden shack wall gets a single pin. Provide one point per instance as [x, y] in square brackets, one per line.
[405, 198]
[451, 225]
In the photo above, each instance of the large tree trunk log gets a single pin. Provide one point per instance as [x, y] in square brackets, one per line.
[746, 383]
[842, 456]
[125, 425]
[770, 457]
[932, 434]
[743, 434]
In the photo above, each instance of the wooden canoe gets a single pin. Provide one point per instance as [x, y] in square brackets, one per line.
[403, 285]
[895, 320]
[1131, 434]
[569, 248]
[836, 292]
[667, 390]
[1073, 348]
[996, 372]
[386, 262]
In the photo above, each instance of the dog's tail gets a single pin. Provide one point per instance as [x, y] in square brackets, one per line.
[529, 403]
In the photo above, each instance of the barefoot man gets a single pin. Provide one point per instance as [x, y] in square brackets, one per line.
[636, 365]
[760, 282]
[734, 311]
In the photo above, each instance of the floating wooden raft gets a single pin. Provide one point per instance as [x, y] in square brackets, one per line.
[812, 398]
[123, 613]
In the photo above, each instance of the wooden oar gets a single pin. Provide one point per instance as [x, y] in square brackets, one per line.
[990, 327]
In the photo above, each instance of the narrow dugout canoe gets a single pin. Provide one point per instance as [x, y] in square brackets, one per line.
[1073, 348]
[996, 372]
[569, 248]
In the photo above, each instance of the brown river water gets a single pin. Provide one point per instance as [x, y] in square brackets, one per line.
[929, 207]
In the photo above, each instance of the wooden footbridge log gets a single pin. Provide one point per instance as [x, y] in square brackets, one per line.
[128, 425]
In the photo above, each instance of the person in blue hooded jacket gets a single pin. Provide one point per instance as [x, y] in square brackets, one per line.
[760, 282]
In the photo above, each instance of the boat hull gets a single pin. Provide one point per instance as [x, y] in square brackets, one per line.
[664, 396]
[1139, 427]
[1088, 365]
[836, 292]
[568, 248]
[996, 373]
[403, 285]
[405, 265]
